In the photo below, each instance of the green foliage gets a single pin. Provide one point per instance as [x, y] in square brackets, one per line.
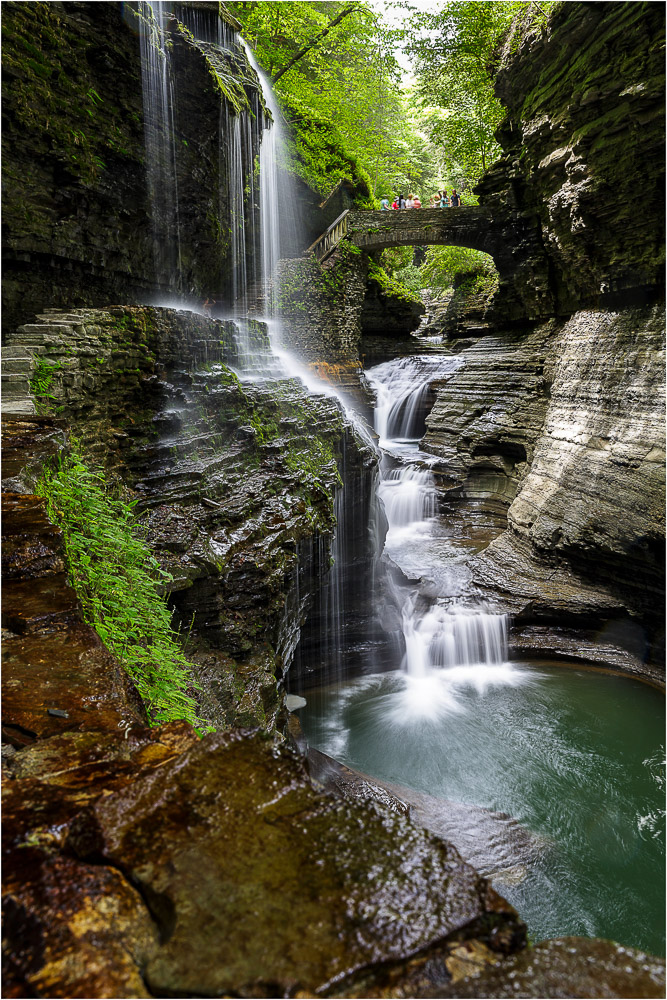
[400, 283]
[115, 577]
[454, 49]
[42, 379]
[444, 264]
[318, 154]
[342, 98]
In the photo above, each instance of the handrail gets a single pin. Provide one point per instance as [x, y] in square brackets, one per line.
[330, 239]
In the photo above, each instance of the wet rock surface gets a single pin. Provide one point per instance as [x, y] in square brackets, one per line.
[146, 862]
[57, 675]
[279, 873]
[495, 844]
[237, 493]
[565, 427]
[585, 121]
[566, 967]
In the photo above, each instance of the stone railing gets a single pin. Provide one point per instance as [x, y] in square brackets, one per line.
[329, 240]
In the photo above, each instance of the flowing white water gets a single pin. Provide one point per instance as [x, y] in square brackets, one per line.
[280, 222]
[402, 387]
[445, 646]
[158, 102]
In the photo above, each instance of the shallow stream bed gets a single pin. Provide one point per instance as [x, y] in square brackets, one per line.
[558, 770]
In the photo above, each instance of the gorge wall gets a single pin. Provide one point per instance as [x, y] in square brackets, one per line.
[77, 227]
[564, 422]
[144, 861]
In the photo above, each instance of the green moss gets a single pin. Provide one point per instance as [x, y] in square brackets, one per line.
[52, 93]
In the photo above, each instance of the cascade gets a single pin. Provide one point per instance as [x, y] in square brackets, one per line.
[402, 387]
[440, 637]
[258, 241]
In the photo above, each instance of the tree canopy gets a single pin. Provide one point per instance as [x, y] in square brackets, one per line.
[335, 72]
[453, 52]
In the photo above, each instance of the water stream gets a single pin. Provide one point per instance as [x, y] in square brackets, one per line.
[548, 779]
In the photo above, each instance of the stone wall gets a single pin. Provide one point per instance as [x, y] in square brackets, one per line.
[321, 304]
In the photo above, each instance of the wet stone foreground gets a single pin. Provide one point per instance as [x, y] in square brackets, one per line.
[146, 862]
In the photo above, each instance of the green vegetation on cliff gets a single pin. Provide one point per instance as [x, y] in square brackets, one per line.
[115, 577]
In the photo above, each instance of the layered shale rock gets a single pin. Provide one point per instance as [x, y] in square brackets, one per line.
[583, 148]
[236, 490]
[564, 422]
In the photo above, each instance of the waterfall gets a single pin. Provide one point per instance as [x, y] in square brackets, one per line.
[278, 198]
[158, 102]
[239, 141]
[408, 495]
[449, 638]
[439, 637]
[261, 214]
[402, 387]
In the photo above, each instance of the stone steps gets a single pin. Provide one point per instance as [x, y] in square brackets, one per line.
[17, 367]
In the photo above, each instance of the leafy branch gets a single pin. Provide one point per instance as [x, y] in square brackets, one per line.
[314, 41]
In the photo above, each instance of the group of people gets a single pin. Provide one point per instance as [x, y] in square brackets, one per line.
[439, 200]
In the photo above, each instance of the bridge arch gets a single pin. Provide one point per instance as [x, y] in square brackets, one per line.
[474, 227]
[509, 237]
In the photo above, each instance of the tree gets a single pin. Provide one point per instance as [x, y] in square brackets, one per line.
[313, 42]
[453, 50]
[340, 86]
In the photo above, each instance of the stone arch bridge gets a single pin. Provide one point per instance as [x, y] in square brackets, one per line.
[512, 240]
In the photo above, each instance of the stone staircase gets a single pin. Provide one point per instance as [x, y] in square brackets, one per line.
[18, 366]
[52, 330]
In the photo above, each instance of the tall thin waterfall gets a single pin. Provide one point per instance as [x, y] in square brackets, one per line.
[277, 192]
[235, 178]
[160, 24]
[158, 101]
[436, 636]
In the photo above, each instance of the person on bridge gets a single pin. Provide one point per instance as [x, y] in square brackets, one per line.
[416, 203]
[456, 199]
[444, 200]
[408, 201]
[395, 204]
[401, 201]
[384, 204]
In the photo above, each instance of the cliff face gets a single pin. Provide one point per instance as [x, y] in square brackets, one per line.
[77, 218]
[564, 423]
[583, 147]
[237, 490]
